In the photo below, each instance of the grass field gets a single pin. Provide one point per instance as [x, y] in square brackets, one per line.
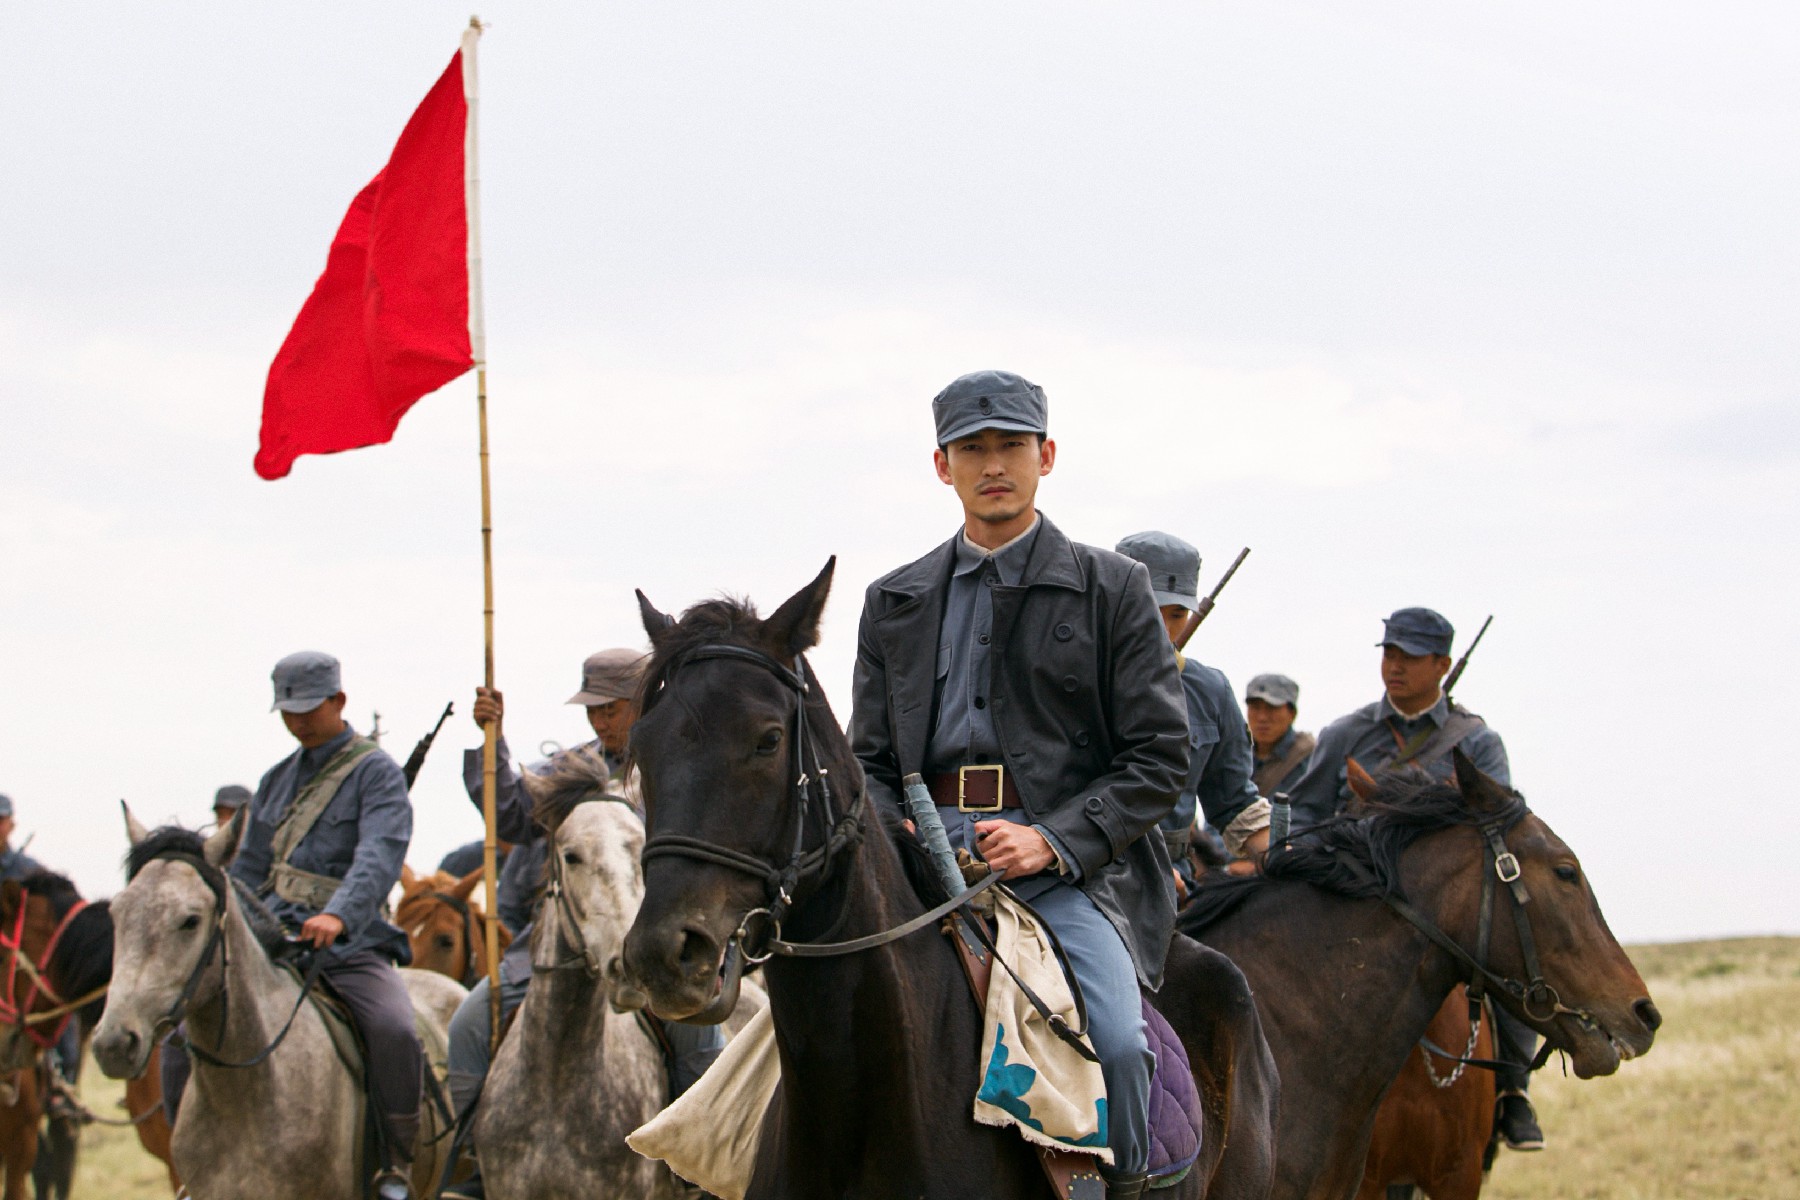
[1712, 1113]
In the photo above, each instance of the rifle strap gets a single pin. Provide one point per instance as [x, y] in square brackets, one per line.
[1433, 742]
[307, 807]
[1274, 771]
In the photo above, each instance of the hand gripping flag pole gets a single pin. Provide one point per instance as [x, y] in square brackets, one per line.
[490, 750]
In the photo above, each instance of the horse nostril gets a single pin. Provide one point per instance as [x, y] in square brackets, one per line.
[1647, 1013]
[699, 953]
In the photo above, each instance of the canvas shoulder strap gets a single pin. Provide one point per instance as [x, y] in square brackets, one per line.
[1273, 772]
[312, 800]
[1428, 745]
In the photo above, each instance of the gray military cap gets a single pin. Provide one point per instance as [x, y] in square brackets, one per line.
[609, 675]
[1274, 689]
[1174, 566]
[1418, 631]
[990, 400]
[232, 795]
[305, 680]
[5, 806]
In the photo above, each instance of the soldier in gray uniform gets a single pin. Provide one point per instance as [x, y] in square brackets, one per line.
[226, 802]
[609, 681]
[14, 864]
[1272, 704]
[326, 835]
[1029, 679]
[1219, 765]
[1415, 724]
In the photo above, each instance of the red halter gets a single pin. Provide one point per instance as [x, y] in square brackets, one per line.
[21, 1014]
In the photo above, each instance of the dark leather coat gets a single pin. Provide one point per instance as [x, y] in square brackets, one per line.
[1086, 700]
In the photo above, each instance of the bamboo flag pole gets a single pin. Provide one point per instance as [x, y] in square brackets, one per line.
[490, 749]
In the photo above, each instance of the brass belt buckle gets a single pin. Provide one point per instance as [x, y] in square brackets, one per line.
[962, 788]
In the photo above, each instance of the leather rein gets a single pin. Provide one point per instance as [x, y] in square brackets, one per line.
[840, 833]
[1535, 994]
[21, 1013]
[216, 882]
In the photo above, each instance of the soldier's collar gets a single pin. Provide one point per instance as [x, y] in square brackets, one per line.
[1439, 712]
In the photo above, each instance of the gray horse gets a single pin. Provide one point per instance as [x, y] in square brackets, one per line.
[573, 1077]
[287, 1128]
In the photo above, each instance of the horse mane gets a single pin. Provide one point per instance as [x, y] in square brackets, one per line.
[1397, 815]
[82, 958]
[172, 841]
[573, 777]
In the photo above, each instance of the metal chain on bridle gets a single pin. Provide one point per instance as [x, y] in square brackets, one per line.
[1534, 993]
[840, 833]
[22, 1013]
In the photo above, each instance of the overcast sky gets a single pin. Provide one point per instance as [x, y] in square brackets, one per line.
[1491, 311]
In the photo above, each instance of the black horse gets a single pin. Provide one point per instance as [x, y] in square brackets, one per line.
[1346, 981]
[754, 802]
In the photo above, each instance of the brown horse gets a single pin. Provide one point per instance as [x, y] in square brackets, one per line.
[445, 925]
[21, 1109]
[1435, 1127]
[144, 1103]
[1361, 927]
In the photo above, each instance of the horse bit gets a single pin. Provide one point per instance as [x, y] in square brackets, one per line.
[1535, 994]
[841, 833]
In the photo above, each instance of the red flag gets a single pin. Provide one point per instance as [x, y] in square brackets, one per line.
[388, 321]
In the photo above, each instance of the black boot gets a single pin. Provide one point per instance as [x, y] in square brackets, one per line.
[1517, 1122]
[1126, 1187]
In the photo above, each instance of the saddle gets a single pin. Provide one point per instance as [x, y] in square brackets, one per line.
[1175, 1113]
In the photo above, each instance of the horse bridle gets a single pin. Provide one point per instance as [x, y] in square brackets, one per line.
[1535, 995]
[216, 882]
[471, 963]
[568, 922]
[21, 1014]
[782, 883]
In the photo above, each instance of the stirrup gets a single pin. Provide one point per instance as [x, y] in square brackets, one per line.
[388, 1177]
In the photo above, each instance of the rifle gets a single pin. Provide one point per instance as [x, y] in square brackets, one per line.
[416, 760]
[1207, 601]
[1461, 663]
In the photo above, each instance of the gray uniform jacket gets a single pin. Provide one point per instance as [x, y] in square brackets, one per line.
[1368, 735]
[15, 865]
[360, 838]
[1220, 754]
[1269, 777]
[1086, 705]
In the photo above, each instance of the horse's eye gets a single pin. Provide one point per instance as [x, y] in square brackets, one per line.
[191, 921]
[769, 742]
[1565, 872]
[570, 858]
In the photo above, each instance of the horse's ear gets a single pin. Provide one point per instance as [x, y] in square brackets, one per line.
[1478, 791]
[134, 828]
[465, 887]
[656, 622]
[1362, 784]
[407, 877]
[223, 844]
[794, 627]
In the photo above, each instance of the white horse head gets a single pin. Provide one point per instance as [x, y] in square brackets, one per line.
[168, 929]
[594, 882]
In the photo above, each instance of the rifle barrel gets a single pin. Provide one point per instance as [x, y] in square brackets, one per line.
[1208, 601]
[1463, 662]
[415, 762]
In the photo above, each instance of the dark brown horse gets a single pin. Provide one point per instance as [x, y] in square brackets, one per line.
[55, 960]
[1435, 1127]
[1346, 983]
[879, 1047]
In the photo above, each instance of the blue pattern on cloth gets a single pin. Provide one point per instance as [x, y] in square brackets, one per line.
[1174, 1104]
[1006, 1085]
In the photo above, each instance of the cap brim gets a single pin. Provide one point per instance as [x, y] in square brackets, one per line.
[298, 704]
[589, 699]
[1164, 599]
[1416, 649]
[997, 423]
[1269, 698]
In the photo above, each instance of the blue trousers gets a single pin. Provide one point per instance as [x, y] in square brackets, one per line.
[1115, 1011]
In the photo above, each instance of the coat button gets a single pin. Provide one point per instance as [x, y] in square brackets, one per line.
[1094, 805]
[1082, 738]
[1070, 683]
[980, 703]
[1064, 632]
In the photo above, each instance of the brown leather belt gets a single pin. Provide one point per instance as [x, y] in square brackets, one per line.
[975, 789]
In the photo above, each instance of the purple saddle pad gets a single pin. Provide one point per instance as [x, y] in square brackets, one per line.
[1174, 1104]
